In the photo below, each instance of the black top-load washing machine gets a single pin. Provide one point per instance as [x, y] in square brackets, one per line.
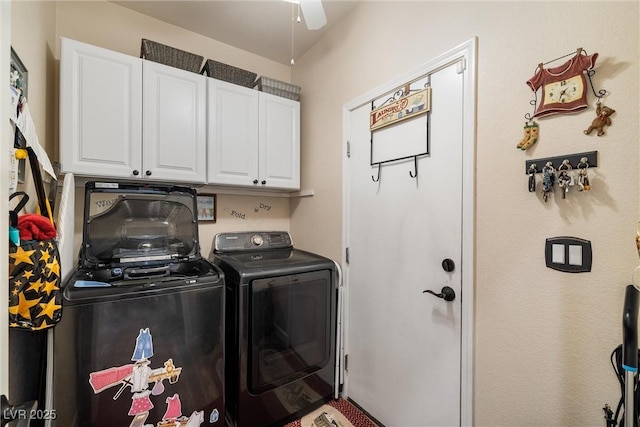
[280, 327]
[141, 339]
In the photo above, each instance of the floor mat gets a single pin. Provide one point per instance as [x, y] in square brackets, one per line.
[335, 413]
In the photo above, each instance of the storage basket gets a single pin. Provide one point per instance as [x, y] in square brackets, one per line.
[276, 87]
[156, 52]
[229, 73]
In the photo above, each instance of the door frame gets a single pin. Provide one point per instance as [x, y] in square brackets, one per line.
[5, 135]
[467, 54]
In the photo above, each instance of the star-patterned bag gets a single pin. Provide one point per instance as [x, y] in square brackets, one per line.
[34, 285]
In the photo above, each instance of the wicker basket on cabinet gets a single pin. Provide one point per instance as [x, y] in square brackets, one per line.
[229, 73]
[279, 88]
[157, 52]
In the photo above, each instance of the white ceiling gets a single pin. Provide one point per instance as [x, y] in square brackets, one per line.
[263, 27]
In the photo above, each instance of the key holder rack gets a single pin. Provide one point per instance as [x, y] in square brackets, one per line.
[575, 161]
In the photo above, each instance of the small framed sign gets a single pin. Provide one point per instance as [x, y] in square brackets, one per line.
[404, 108]
[207, 207]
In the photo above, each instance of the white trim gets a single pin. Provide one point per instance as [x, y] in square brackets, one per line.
[5, 135]
[346, 132]
[468, 233]
[468, 53]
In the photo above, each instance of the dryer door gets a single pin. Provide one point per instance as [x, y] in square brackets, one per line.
[290, 328]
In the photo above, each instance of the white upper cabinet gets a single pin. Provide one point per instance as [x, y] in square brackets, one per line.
[232, 134]
[124, 117]
[253, 138]
[174, 123]
[100, 111]
[279, 142]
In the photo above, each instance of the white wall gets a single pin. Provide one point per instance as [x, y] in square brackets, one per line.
[542, 338]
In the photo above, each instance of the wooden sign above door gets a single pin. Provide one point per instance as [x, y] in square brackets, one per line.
[411, 105]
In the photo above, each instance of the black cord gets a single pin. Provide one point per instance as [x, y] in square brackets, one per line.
[616, 363]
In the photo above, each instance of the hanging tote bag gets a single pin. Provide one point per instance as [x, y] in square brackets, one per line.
[34, 266]
[34, 285]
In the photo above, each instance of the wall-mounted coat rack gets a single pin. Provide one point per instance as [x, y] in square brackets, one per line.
[577, 161]
[405, 103]
[412, 174]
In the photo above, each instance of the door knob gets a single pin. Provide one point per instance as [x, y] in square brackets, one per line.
[22, 413]
[447, 293]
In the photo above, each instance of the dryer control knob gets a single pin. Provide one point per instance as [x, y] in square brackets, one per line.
[256, 240]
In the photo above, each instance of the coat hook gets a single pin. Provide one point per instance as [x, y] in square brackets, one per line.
[374, 179]
[415, 168]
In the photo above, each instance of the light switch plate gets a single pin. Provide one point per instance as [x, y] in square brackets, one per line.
[568, 254]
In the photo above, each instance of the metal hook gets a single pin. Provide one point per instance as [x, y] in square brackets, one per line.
[534, 103]
[566, 165]
[415, 168]
[374, 179]
[584, 163]
[602, 92]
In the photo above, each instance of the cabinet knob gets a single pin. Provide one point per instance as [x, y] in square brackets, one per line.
[255, 181]
[263, 182]
[148, 173]
[136, 172]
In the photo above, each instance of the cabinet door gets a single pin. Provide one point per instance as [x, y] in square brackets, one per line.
[100, 111]
[232, 134]
[279, 142]
[174, 126]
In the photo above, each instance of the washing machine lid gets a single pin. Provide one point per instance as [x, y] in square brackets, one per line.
[138, 224]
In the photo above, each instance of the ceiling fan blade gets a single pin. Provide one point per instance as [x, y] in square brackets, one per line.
[313, 14]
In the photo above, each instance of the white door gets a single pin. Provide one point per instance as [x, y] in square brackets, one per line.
[404, 346]
[174, 124]
[100, 111]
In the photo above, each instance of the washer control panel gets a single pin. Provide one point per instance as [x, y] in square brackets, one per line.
[251, 241]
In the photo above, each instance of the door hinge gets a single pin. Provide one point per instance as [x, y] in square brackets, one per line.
[346, 362]
[348, 149]
[346, 255]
